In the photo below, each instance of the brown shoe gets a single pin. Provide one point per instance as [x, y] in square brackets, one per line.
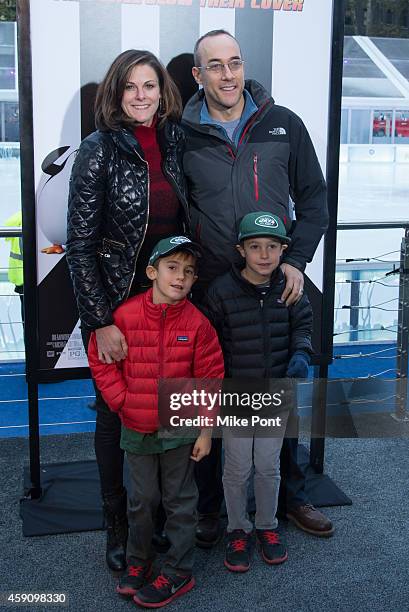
[311, 520]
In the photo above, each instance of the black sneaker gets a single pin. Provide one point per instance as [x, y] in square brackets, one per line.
[272, 550]
[133, 578]
[163, 590]
[237, 557]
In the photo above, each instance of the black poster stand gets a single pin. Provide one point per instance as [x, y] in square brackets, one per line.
[29, 239]
[34, 485]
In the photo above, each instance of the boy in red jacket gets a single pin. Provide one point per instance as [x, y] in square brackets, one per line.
[167, 337]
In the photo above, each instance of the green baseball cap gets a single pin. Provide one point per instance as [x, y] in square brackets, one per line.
[166, 246]
[263, 224]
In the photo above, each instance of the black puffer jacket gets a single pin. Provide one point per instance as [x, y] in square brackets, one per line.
[258, 335]
[108, 211]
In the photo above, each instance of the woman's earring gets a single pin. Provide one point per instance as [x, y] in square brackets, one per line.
[160, 109]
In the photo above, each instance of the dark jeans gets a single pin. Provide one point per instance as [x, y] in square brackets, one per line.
[168, 476]
[109, 455]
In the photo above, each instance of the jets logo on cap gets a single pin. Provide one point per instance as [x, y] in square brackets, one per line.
[266, 221]
[179, 240]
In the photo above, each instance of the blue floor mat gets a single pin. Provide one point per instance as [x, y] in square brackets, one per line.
[63, 407]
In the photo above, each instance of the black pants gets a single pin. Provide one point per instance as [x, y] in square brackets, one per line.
[109, 455]
[167, 476]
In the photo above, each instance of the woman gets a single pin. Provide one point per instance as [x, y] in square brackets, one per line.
[127, 192]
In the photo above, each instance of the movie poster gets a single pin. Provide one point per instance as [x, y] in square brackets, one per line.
[286, 46]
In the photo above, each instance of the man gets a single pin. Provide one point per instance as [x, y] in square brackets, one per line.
[15, 271]
[246, 154]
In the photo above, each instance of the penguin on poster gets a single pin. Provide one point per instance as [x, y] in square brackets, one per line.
[52, 197]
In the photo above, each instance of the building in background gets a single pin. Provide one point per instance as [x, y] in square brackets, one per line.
[383, 18]
[9, 124]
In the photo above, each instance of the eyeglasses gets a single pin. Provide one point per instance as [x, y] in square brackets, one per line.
[234, 66]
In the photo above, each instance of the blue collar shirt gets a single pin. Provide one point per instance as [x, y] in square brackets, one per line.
[250, 108]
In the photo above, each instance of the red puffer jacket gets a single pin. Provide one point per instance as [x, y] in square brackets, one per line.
[164, 341]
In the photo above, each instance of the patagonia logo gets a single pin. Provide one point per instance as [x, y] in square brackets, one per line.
[266, 221]
[183, 338]
[179, 240]
[278, 131]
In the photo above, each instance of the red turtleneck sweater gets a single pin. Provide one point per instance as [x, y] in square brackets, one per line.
[164, 218]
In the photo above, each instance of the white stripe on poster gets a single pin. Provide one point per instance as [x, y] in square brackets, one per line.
[140, 27]
[301, 75]
[301, 67]
[216, 19]
[55, 44]
[100, 39]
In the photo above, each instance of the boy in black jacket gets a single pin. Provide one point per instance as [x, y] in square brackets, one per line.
[261, 337]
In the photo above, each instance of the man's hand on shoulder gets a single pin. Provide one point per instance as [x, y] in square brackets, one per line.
[294, 284]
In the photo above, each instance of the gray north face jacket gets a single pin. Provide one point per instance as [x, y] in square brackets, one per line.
[275, 159]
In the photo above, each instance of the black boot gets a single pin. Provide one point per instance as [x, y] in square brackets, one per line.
[117, 530]
[208, 530]
[160, 542]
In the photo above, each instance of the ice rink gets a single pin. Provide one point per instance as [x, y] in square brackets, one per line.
[10, 187]
[371, 191]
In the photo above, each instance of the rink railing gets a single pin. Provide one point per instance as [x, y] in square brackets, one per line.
[402, 327]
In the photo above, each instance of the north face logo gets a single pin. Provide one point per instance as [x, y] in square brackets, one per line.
[278, 131]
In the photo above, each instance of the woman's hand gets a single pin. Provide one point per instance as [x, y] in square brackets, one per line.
[111, 344]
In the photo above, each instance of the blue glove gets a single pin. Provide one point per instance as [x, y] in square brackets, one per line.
[298, 365]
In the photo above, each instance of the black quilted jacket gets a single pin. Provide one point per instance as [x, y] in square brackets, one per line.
[108, 211]
[258, 334]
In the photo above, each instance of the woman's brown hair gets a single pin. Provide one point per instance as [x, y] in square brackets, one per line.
[108, 103]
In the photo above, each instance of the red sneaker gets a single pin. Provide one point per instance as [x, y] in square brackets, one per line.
[272, 550]
[133, 579]
[163, 590]
[237, 556]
